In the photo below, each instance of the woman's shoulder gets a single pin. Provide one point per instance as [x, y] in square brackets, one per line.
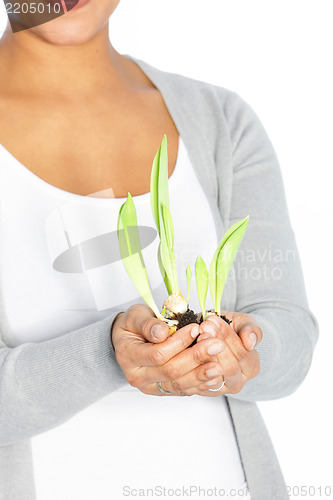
[182, 83]
[204, 99]
[218, 116]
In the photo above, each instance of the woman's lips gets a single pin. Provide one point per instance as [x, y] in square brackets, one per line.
[69, 5]
[72, 5]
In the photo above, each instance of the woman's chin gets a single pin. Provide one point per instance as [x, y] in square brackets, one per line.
[62, 32]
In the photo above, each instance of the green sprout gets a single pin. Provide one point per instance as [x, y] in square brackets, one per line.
[201, 277]
[131, 252]
[159, 199]
[223, 259]
[167, 252]
[188, 282]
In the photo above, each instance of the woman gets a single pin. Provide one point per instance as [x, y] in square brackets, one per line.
[78, 119]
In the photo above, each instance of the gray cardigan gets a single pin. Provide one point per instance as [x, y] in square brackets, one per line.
[42, 385]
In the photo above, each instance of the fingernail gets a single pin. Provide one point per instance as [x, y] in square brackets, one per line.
[195, 331]
[214, 319]
[216, 348]
[212, 372]
[210, 330]
[253, 339]
[157, 332]
[204, 336]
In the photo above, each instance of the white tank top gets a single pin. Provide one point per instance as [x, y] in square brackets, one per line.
[60, 271]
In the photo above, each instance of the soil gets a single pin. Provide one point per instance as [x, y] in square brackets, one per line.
[191, 317]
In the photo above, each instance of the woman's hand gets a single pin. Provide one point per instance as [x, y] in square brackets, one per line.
[147, 354]
[239, 360]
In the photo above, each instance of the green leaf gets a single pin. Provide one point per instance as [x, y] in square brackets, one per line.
[188, 282]
[201, 277]
[163, 271]
[167, 249]
[159, 189]
[168, 226]
[159, 198]
[131, 252]
[223, 259]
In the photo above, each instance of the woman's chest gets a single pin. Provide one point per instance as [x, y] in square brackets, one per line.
[87, 148]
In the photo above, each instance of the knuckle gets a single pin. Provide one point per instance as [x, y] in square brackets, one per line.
[158, 357]
[183, 342]
[231, 370]
[177, 387]
[135, 308]
[241, 353]
[146, 326]
[198, 354]
[250, 319]
[202, 387]
[170, 371]
[132, 308]
[226, 329]
[244, 319]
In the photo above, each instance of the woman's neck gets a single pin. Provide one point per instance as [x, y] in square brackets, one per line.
[30, 64]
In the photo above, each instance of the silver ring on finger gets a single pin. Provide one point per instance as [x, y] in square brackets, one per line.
[222, 385]
[159, 385]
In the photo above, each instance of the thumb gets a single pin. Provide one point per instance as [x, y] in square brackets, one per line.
[245, 325]
[251, 335]
[142, 320]
[155, 331]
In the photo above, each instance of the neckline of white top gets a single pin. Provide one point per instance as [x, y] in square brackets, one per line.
[88, 198]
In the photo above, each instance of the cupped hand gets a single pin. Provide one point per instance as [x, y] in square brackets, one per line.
[239, 360]
[147, 354]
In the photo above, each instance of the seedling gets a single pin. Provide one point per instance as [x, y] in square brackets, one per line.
[223, 259]
[201, 278]
[175, 310]
[159, 198]
[188, 282]
[131, 254]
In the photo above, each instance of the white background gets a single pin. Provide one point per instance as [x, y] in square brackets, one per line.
[278, 56]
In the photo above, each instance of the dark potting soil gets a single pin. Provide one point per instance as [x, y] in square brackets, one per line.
[190, 317]
[186, 318]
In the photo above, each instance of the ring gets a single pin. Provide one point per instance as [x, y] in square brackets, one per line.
[216, 390]
[159, 385]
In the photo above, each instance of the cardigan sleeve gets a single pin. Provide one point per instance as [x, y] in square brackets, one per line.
[268, 272]
[44, 384]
